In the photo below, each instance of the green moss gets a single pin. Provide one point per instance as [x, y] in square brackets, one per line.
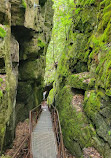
[76, 82]
[2, 132]
[100, 94]
[33, 69]
[108, 92]
[24, 4]
[91, 104]
[88, 49]
[107, 33]
[75, 128]
[85, 2]
[105, 3]
[103, 69]
[2, 32]
[92, 83]
[50, 99]
[77, 10]
[1, 93]
[62, 69]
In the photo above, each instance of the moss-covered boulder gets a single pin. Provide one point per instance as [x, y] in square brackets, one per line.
[80, 80]
[77, 131]
[32, 69]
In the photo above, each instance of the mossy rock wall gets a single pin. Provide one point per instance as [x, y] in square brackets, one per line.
[84, 68]
[9, 85]
[24, 38]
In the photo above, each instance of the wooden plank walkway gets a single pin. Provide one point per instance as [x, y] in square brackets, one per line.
[43, 138]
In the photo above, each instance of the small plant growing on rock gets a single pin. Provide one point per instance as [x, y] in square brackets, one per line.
[24, 4]
[109, 132]
[2, 32]
[41, 43]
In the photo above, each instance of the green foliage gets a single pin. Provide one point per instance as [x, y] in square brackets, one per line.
[41, 43]
[2, 32]
[24, 4]
[109, 132]
[1, 80]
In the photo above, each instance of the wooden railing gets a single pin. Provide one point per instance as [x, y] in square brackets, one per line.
[58, 132]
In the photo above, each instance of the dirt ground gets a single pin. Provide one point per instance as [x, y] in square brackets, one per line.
[22, 130]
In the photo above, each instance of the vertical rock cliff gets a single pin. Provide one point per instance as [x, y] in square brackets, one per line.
[25, 29]
[82, 84]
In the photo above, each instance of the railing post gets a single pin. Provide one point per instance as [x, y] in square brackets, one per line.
[58, 132]
[36, 116]
[30, 123]
[29, 144]
[54, 121]
[62, 146]
[59, 150]
[21, 151]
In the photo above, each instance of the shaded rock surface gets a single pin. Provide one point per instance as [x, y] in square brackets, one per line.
[22, 61]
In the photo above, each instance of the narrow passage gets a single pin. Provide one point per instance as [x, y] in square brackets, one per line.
[43, 138]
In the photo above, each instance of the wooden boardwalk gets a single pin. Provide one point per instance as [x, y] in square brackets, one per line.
[43, 138]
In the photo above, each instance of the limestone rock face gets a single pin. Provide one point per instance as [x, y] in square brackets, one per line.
[9, 51]
[5, 16]
[84, 69]
[25, 14]
[23, 44]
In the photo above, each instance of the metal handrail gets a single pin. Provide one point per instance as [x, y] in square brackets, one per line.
[24, 151]
[33, 117]
[58, 132]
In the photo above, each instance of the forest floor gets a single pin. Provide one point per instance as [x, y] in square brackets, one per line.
[22, 130]
[91, 153]
[88, 153]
